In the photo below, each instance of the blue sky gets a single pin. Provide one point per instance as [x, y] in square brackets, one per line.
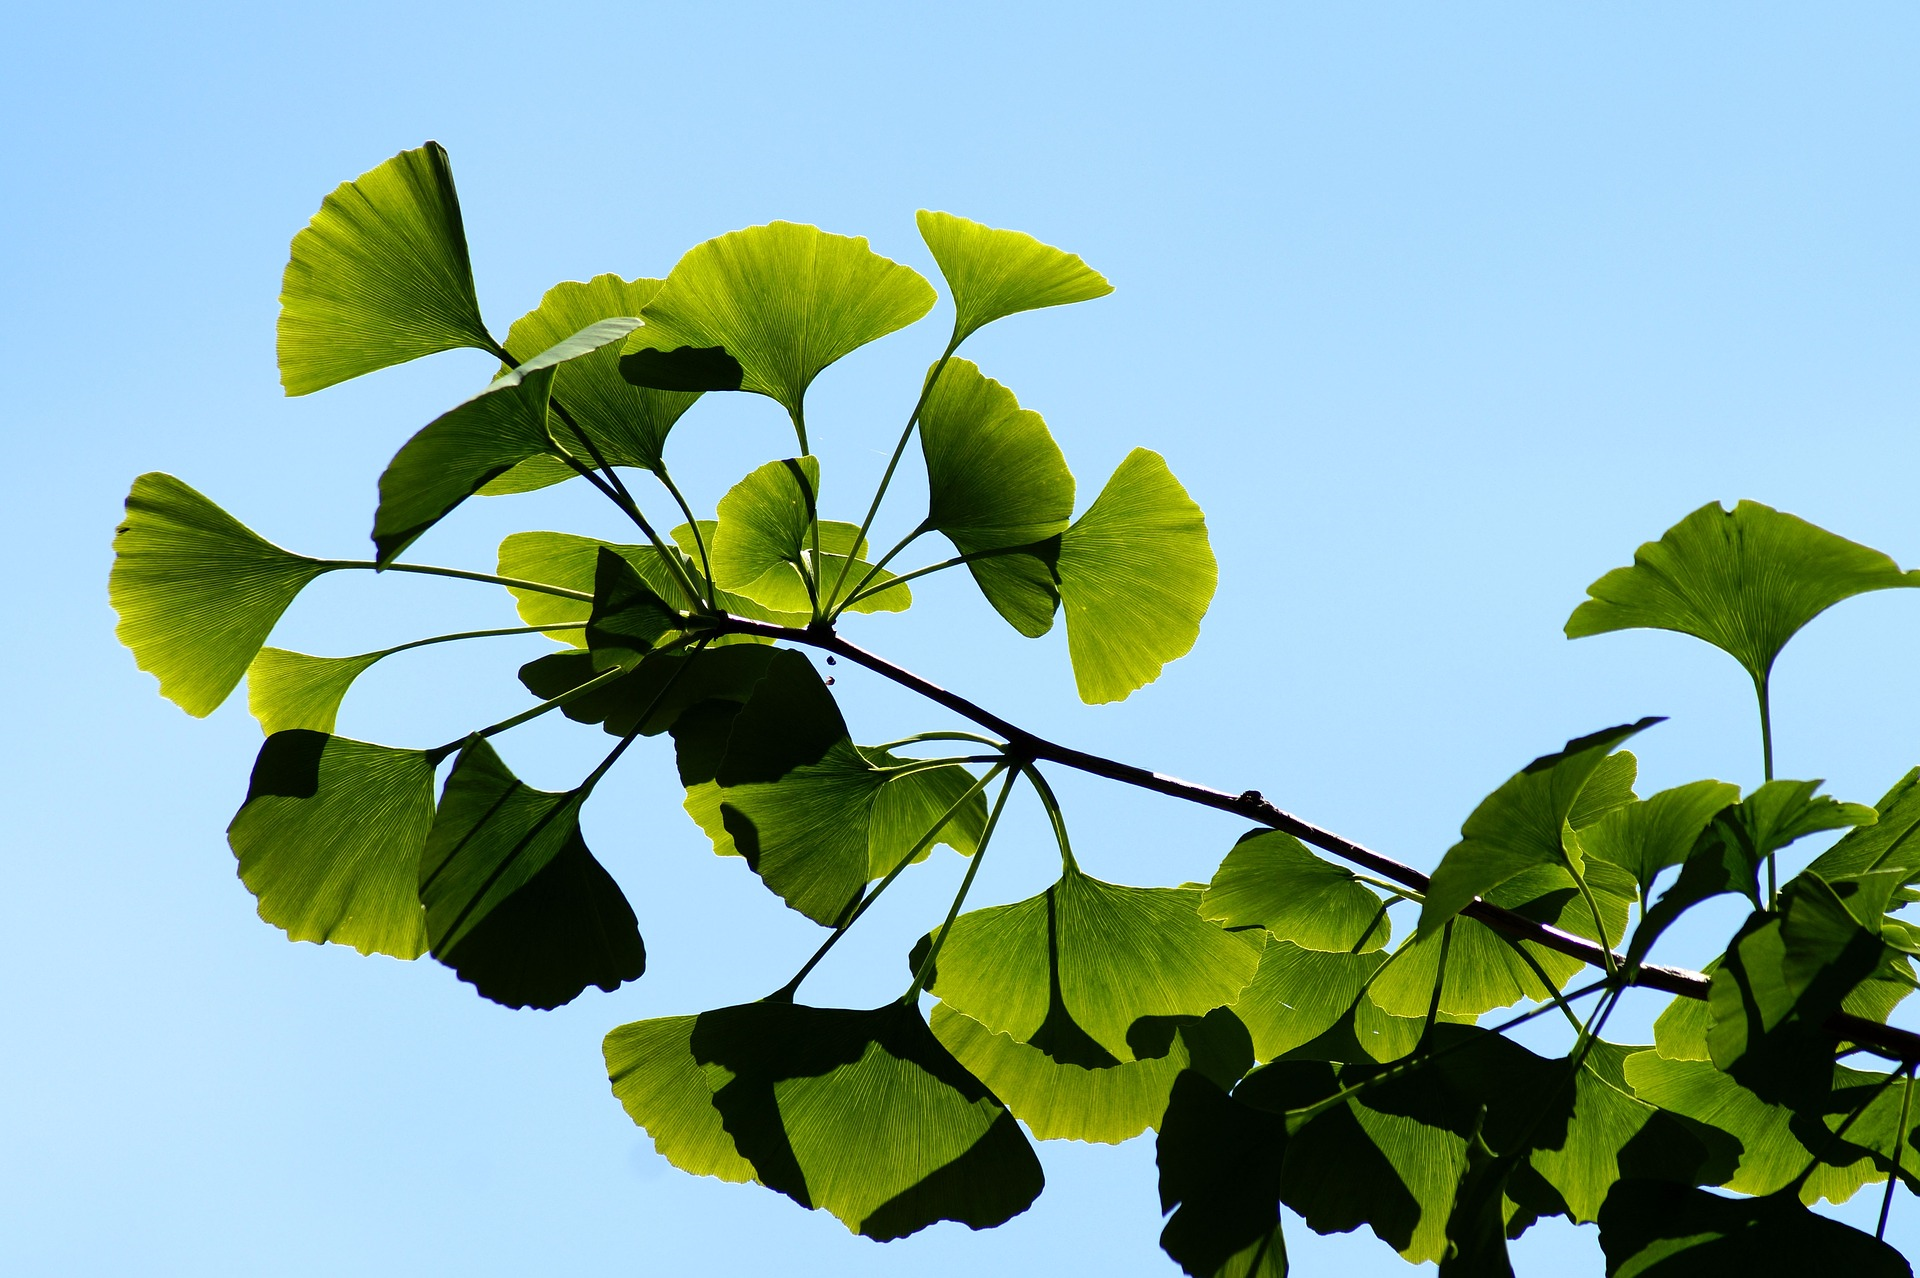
[1438, 311]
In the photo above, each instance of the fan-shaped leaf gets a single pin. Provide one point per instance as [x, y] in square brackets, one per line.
[1744, 580]
[1523, 824]
[293, 690]
[1070, 971]
[766, 308]
[1136, 575]
[995, 478]
[1299, 994]
[516, 904]
[994, 273]
[1270, 880]
[861, 1113]
[570, 562]
[1220, 1162]
[330, 837]
[1657, 1229]
[762, 545]
[627, 614]
[197, 591]
[627, 424]
[1647, 836]
[380, 276]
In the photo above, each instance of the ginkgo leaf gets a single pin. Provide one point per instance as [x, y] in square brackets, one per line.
[1220, 1162]
[1888, 844]
[516, 904]
[1270, 880]
[1072, 1102]
[458, 453]
[1744, 580]
[909, 804]
[570, 561]
[1135, 574]
[294, 690]
[766, 308]
[329, 840]
[1298, 994]
[654, 692]
[995, 477]
[626, 424]
[1657, 1229]
[380, 276]
[762, 546]
[859, 1113]
[1071, 970]
[1650, 835]
[1523, 824]
[627, 614]
[197, 590]
[994, 273]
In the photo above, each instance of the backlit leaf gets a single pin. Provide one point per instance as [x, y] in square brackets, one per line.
[994, 273]
[1523, 824]
[1744, 580]
[778, 303]
[516, 904]
[1298, 994]
[995, 478]
[861, 1113]
[1136, 575]
[570, 561]
[1886, 844]
[294, 690]
[1071, 970]
[1270, 880]
[762, 545]
[329, 840]
[1647, 836]
[380, 276]
[197, 591]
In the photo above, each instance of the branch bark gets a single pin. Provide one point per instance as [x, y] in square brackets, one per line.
[1886, 1040]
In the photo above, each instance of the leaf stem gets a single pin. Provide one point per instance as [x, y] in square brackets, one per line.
[1599, 924]
[512, 583]
[786, 992]
[1054, 815]
[1761, 690]
[484, 634]
[1899, 1156]
[918, 737]
[959, 898]
[693, 525]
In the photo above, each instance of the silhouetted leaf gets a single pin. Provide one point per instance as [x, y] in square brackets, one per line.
[1270, 880]
[1071, 970]
[516, 904]
[780, 301]
[1523, 824]
[1744, 580]
[661, 687]
[627, 424]
[861, 1113]
[380, 276]
[1220, 1163]
[627, 614]
[197, 591]
[329, 840]
[993, 273]
[1658, 1229]
[1135, 574]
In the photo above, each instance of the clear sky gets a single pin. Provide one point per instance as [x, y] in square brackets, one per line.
[1437, 310]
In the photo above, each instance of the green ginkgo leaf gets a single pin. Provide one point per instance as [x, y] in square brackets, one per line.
[775, 779]
[1071, 970]
[570, 561]
[1650, 835]
[458, 453]
[1658, 1229]
[627, 614]
[379, 277]
[626, 424]
[1299, 994]
[197, 590]
[516, 904]
[294, 690]
[994, 273]
[766, 308]
[1136, 575]
[329, 840]
[863, 1114]
[1744, 580]
[1072, 1102]
[1887, 844]
[909, 804]
[995, 478]
[1270, 880]
[1220, 1163]
[655, 690]
[1527, 822]
[763, 544]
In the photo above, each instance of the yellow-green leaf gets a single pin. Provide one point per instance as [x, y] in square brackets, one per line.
[994, 273]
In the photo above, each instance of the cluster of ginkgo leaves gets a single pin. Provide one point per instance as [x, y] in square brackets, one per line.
[1265, 1024]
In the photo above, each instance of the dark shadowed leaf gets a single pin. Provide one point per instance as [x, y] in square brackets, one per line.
[330, 838]
[767, 308]
[627, 615]
[994, 273]
[569, 561]
[860, 1113]
[197, 590]
[1220, 1162]
[1524, 824]
[1071, 970]
[1744, 580]
[516, 904]
[655, 691]
[1270, 880]
[1135, 576]
[380, 276]
[1658, 1229]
